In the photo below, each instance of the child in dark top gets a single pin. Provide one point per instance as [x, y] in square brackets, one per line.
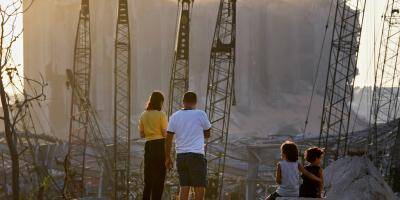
[310, 188]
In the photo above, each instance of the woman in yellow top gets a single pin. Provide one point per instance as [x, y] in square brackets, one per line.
[153, 127]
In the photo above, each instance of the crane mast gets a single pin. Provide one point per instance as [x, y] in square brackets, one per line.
[220, 92]
[99, 158]
[384, 108]
[179, 82]
[122, 104]
[75, 178]
[386, 85]
[342, 70]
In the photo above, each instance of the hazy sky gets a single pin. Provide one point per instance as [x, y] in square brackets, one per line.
[371, 29]
[17, 48]
[18, 45]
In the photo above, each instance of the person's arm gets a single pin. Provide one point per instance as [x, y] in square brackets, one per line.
[205, 122]
[168, 143]
[278, 178]
[207, 133]
[308, 174]
[141, 129]
[321, 176]
[168, 146]
[164, 124]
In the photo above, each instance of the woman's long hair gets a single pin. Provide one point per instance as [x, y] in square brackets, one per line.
[156, 101]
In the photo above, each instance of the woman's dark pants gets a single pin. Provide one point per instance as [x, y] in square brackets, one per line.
[154, 169]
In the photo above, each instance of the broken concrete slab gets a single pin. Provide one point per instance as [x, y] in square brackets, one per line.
[353, 178]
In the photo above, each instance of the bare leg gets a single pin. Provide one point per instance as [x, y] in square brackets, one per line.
[199, 193]
[184, 193]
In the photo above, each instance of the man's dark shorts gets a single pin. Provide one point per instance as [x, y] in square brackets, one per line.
[192, 169]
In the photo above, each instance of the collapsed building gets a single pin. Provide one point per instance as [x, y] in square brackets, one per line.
[274, 76]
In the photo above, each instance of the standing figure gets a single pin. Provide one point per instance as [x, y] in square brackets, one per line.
[190, 127]
[153, 127]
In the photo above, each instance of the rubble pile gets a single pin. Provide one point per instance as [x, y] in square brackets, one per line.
[354, 178]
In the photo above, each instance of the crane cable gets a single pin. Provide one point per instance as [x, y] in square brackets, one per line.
[373, 59]
[318, 66]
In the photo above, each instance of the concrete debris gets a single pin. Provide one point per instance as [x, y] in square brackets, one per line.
[354, 178]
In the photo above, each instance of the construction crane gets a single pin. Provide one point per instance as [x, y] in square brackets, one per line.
[384, 107]
[122, 104]
[97, 153]
[341, 73]
[179, 82]
[76, 177]
[387, 75]
[220, 93]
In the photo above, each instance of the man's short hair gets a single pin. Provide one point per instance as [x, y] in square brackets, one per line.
[190, 97]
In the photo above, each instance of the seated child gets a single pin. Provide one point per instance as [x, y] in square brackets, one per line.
[311, 188]
[288, 172]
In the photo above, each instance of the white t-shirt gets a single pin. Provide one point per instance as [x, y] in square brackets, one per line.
[189, 127]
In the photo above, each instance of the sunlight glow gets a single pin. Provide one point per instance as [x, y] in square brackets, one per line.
[12, 58]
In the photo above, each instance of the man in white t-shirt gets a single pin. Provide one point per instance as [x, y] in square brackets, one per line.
[190, 127]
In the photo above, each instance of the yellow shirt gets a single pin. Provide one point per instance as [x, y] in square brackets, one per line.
[152, 123]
